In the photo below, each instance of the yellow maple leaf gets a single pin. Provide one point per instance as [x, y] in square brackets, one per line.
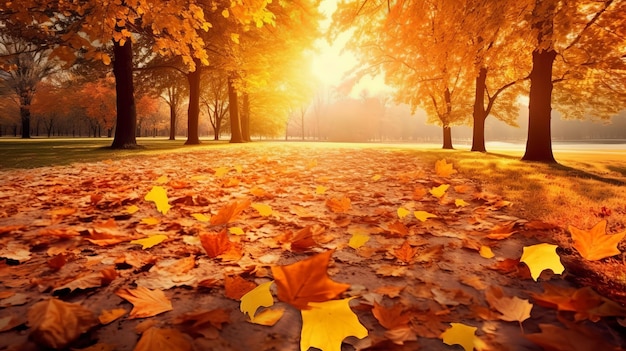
[376, 177]
[594, 244]
[485, 251]
[358, 239]
[261, 296]
[131, 209]
[326, 324]
[201, 217]
[444, 169]
[150, 221]
[320, 189]
[146, 302]
[162, 179]
[540, 257]
[460, 334]
[221, 171]
[263, 209]
[439, 191]
[460, 203]
[150, 241]
[423, 215]
[402, 212]
[236, 231]
[158, 195]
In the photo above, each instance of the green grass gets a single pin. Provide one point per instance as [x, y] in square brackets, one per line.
[32, 153]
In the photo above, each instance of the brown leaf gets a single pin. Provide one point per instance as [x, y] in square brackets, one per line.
[307, 281]
[56, 324]
[146, 302]
[512, 309]
[236, 286]
[391, 317]
[165, 339]
[502, 231]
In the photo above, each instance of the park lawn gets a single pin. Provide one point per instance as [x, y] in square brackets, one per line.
[295, 200]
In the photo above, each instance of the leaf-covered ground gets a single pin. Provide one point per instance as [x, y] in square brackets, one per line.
[160, 251]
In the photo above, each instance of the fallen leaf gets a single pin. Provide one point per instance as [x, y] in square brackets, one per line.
[163, 339]
[326, 324]
[389, 290]
[261, 296]
[269, 317]
[357, 240]
[460, 203]
[108, 316]
[405, 253]
[131, 209]
[236, 231]
[201, 217]
[439, 191]
[9, 322]
[339, 205]
[55, 323]
[402, 212]
[221, 171]
[485, 251]
[460, 334]
[444, 169]
[215, 244]
[229, 212]
[574, 338]
[594, 244]
[150, 241]
[150, 221]
[320, 189]
[236, 287]
[98, 347]
[376, 177]
[585, 302]
[307, 281]
[502, 231]
[82, 281]
[263, 209]
[512, 309]
[540, 257]
[391, 317]
[162, 180]
[158, 195]
[422, 216]
[146, 302]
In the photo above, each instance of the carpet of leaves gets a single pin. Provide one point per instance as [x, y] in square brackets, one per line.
[421, 253]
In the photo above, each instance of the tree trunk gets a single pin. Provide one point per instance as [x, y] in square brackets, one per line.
[25, 100]
[126, 121]
[245, 118]
[447, 138]
[233, 107]
[172, 122]
[479, 115]
[193, 113]
[539, 142]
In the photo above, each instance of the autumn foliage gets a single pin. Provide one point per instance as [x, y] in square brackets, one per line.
[386, 258]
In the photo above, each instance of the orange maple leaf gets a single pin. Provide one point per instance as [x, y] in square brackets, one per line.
[444, 169]
[405, 253]
[391, 317]
[307, 281]
[236, 286]
[594, 244]
[215, 244]
[339, 205]
[146, 302]
[303, 239]
[229, 212]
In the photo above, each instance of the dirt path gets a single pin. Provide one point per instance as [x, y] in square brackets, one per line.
[66, 233]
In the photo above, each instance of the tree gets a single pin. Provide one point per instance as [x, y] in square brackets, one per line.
[215, 99]
[50, 104]
[24, 66]
[175, 26]
[99, 103]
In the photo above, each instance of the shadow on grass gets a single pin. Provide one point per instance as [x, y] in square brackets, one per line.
[579, 173]
[33, 153]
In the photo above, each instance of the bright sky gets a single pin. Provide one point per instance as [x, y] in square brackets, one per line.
[330, 65]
